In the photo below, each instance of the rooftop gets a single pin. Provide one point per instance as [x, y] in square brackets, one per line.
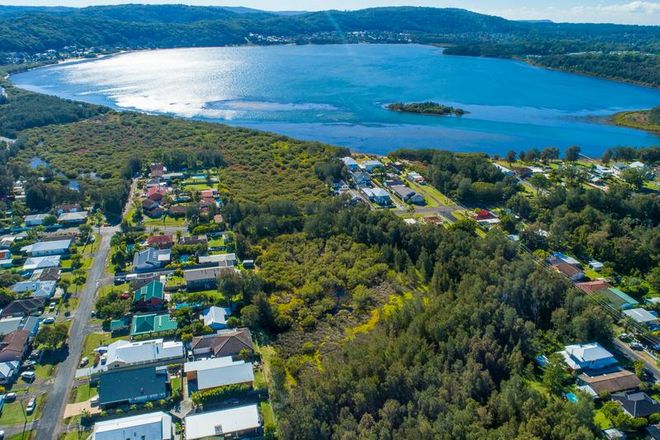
[225, 421]
[47, 246]
[157, 425]
[640, 315]
[152, 323]
[124, 384]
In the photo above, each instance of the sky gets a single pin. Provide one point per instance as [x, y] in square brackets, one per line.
[592, 11]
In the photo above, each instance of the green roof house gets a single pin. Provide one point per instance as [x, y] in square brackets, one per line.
[152, 323]
[149, 297]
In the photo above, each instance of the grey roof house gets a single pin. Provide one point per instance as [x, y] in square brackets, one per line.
[135, 385]
[150, 259]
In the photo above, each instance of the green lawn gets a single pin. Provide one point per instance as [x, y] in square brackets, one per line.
[94, 340]
[12, 414]
[84, 392]
[44, 371]
[165, 221]
[29, 435]
[267, 413]
[434, 198]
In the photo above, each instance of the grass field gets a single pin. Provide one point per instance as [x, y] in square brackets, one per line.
[164, 221]
[267, 413]
[12, 413]
[94, 340]
[84, 392]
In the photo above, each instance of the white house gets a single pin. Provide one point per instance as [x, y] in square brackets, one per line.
[223, 260]
[239, 421]
[217, 372]
[43, 248]
[215, 317]
[151, 426]
[72, 218]
[39, 289]
[34, 263]
[350, 163]
[590, 356]
[35, 219]
[370, 165]
[641, 316]
[123, 353]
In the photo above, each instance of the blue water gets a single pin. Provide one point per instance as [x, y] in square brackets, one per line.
[337, 94]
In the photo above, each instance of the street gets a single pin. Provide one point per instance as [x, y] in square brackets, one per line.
[50, 423]
[635, 355]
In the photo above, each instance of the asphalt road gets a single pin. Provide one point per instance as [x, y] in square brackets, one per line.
[635, 355]
[50, 423]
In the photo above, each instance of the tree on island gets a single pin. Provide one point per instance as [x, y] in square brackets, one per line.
[511, 157]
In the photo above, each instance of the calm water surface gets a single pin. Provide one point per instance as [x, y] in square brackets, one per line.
[337, 94]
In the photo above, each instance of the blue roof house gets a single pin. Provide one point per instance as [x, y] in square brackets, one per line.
[591, 356]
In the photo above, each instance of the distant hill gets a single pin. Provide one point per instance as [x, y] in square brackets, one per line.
[36, 29]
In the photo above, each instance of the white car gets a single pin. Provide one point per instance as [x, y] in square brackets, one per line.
[84, 361]
[49, 320]
[31, 406]
[28, 375]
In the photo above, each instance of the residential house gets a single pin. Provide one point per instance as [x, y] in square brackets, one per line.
[414, 176]
[49, 274]
[204, 278]
[10, 324]
[222, 260]
[504, 170]
[590, 287]
[36, 263]
[160, 241]
[591, 356]
[68, 207]
[23, 307]
[35, 219]
[44, 289]
[608, 383]
[224, 343]
[143, 280]
[156, 170]
[9, 371]
[636, 403]
[350, 163]
[215, 317]
[642, 316]
[217, 372]
[14, 346]
[361, 179]
[238, 422]
[46, 248]
[151, 426]
[150, 259]
[377, 195]
[149, 296]
[156, 193]
[408, 195]
[72, 218]
[152, 324]
[122, 354]
[31, 325]
[152, 209]
[194, 240]
[132, 386]
[569, 271]
[370, 165]
[177, 211]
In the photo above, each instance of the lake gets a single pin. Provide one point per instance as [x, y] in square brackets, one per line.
[337, 93]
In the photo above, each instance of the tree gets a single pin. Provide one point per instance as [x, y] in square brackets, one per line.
[510, 156]
[539, 181]
[572, 153]
[550, 153]
[52, 337]
[6, 296]
[634, 177]
[50, 220]
[607, 156]
[555, 376]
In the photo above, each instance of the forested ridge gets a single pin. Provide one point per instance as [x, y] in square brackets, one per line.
[32, 30]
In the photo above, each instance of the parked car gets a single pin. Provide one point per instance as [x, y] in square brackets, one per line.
[52, 306]
[31, 406]
[94, 401]
[10, 397]
[49, 320]
[35, 355]
[636, 346]
[28, 376]
[84, 361]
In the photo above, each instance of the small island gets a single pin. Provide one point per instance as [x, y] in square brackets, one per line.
[648, 120]
[426, 108]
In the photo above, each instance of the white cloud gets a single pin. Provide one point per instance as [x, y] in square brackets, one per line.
[636, 7]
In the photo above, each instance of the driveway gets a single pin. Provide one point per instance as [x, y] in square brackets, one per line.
[50, 423]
